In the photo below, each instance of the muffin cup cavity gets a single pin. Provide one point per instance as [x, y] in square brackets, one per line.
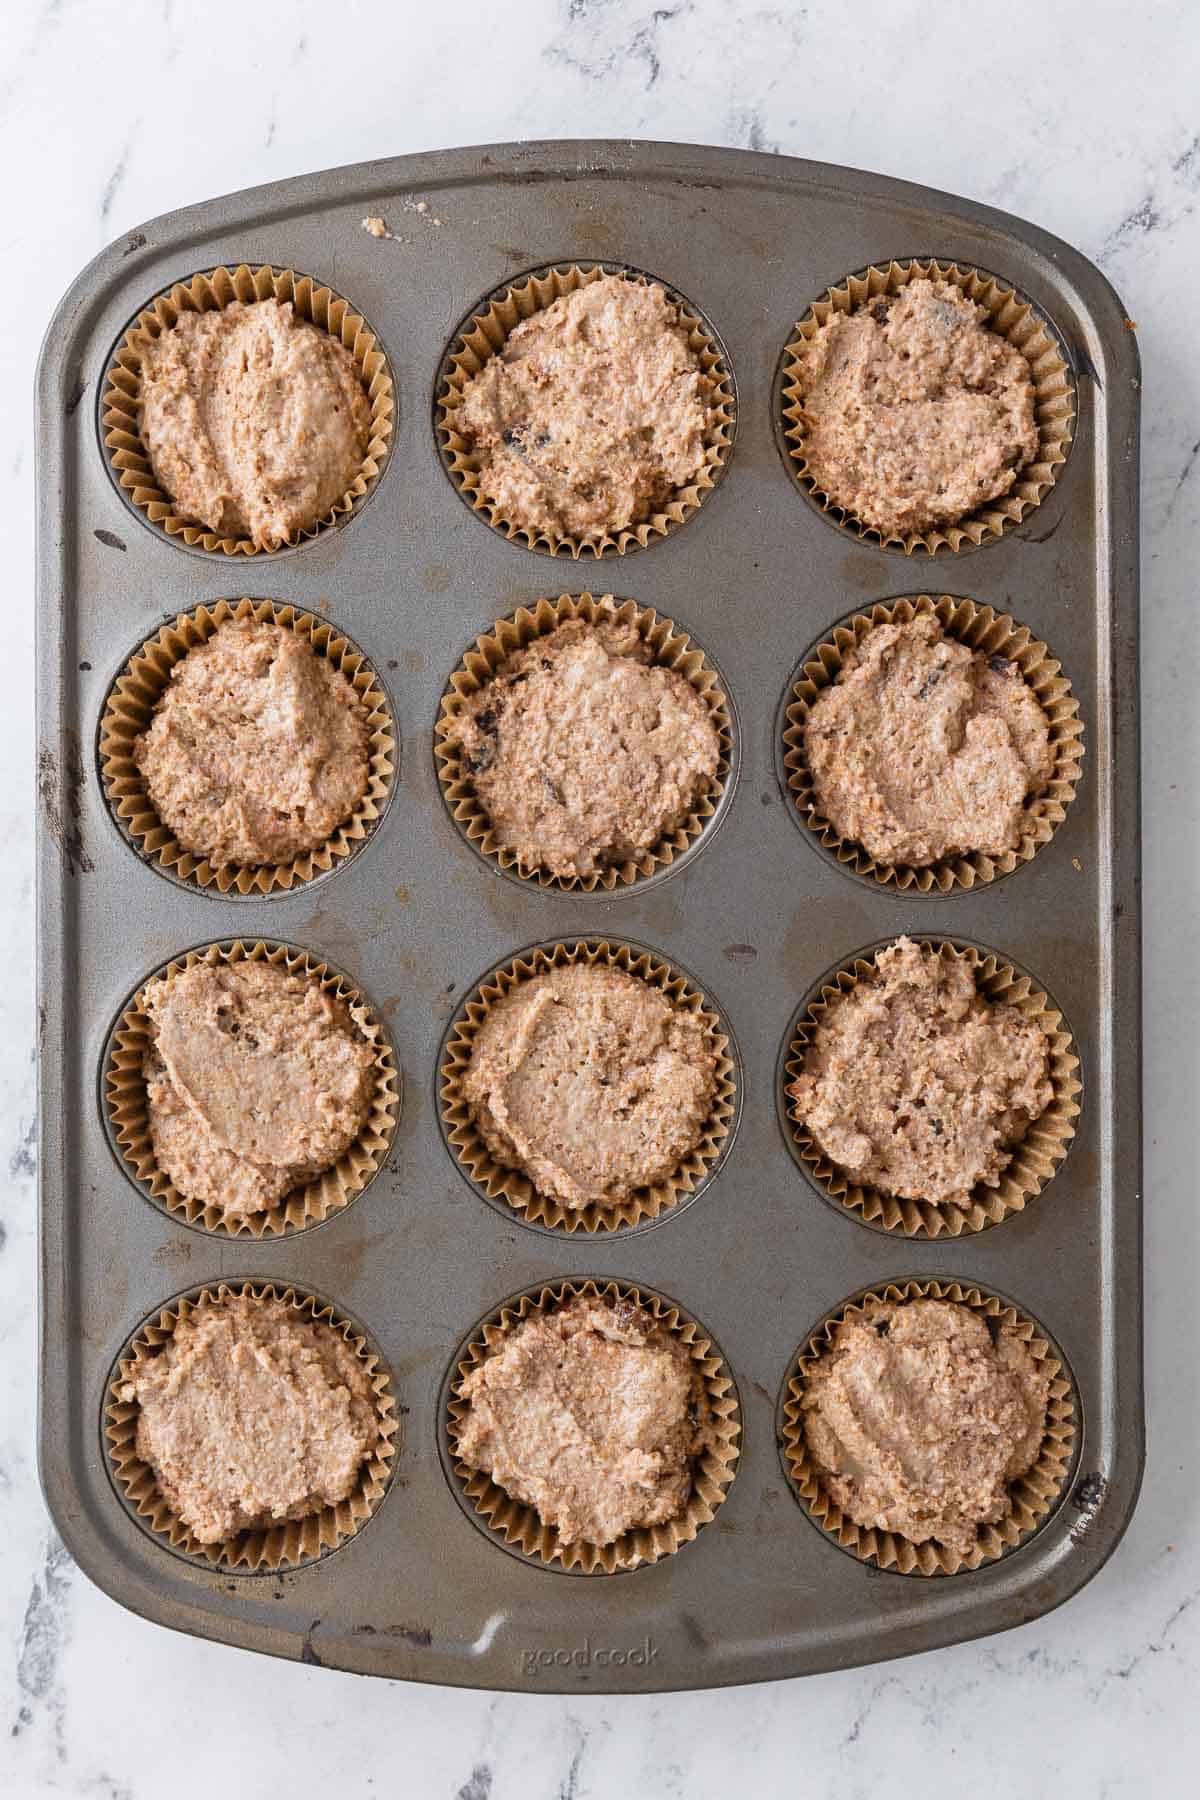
[1014, 319]
[486, 330]
[517, 1526]
[1033, 1161]
[209, 291]
[1034, 1495]
[129, 709]
[291, 1543]
[671, 649]
[127, 1117]
[512, 1188]
[981, 629]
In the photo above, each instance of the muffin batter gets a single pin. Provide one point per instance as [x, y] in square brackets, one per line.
[255, 421]
[923, 748]
[917, 1419]
[917, 1086]
[257, 750]
[592, 415]
[592, 1082]
[917, 413]
[592, 1414]
[256, 1080]
[252, 1413]
[582, 754]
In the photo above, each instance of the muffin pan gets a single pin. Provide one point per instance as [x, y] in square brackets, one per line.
[416, 918]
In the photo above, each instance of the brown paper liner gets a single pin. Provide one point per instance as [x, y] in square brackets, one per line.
[982, 629]
[1033, 1160]
[130, 707]
[519, 1525]
[486, 332]
[206, 292]
[293, 1542]
[672, 649]
[126, 1110]
[515, 1188]
[1033, 1495]
[1010, 316]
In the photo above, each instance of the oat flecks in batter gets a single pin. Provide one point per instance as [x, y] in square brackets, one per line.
[257, 750]
[915, 1085]
[594, 413]
[593, 1414]
[256, 1080]
[924, 749]
[251, 1414]
[918, 413]
[918, 1420]
[256, 422]
[582, 754]
[592, 1082]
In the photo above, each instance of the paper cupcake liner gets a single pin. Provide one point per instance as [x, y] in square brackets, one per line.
[1014, 319]
[130, 706]
[1033, 1161]
[672, 649]
[293, 1542]
[518, 1525]
[510, 1186]
[1034, 1495]
[982, 629]
[126, 1108]
[486, 331]
[207, 292]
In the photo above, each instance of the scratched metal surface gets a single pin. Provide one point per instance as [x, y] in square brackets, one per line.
[757, 916]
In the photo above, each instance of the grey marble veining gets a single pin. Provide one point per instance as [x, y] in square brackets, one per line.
[1082, 116]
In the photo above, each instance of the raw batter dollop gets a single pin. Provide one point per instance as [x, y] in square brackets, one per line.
[256, 1080]
[592, 414]
[917, 1419]
[251, 1414]
[593, 1414]
[918, 412]
[592, 1082]
[923, 748]
[582, 754]
[255, 421]
[257, 750]
[917, 1086]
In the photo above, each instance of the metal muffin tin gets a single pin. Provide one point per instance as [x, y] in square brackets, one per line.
[416, 917]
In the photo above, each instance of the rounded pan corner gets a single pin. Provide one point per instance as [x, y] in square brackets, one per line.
[82, 1537]
[1088, 1533]
[1092, 283]
[123, 1579]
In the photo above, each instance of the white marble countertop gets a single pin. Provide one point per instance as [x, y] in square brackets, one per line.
[1080, 116]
